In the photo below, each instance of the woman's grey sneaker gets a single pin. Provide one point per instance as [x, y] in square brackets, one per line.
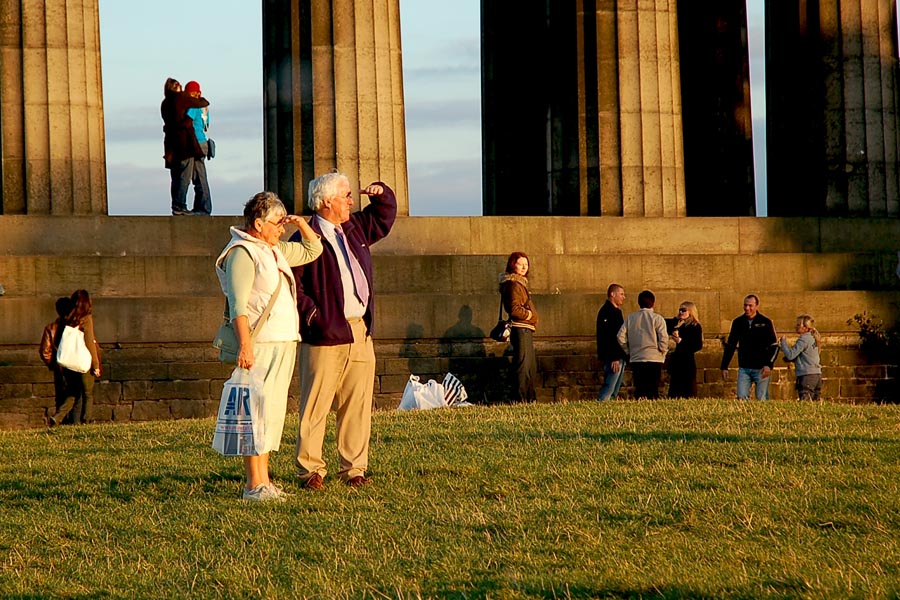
[264, 493]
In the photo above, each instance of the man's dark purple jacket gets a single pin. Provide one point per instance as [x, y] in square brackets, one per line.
[320, 295]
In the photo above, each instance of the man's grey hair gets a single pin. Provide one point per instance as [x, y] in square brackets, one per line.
[323, 187]
[261, 206]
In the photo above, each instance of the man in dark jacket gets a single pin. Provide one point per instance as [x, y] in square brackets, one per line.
[609, 320]
[335, 299]
[753, 335]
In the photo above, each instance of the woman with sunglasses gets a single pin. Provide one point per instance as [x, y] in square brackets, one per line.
[254, 269]
[687, 333]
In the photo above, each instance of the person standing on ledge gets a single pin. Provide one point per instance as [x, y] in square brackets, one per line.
[753, 335]
[200, 122]
[335, 300]
[180, 145]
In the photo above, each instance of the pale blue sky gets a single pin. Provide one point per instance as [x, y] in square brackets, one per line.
[219, 44]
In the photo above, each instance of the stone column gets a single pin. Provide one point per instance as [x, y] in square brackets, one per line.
[652, 160]
[51, 108]
[608, 110]
[333, 94]
[859, 60]
[599, 130]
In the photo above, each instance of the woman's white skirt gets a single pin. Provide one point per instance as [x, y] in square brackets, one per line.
[274, 362]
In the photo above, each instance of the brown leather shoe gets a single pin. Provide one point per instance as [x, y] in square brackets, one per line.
[358, 481]
[314, 483]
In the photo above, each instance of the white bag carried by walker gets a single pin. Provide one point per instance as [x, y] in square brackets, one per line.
[240, 430]
[419, 396]
[72, 353]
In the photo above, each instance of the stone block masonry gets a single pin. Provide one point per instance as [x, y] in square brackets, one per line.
[178, 381]
[157, 302]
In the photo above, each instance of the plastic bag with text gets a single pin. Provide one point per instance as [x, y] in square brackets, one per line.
[240, 430]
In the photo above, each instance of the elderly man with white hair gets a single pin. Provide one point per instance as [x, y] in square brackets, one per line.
[335, 299]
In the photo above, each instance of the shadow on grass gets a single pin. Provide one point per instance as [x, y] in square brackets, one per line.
[491, 586]
[91, 595]
[157, 484]
[689, 436]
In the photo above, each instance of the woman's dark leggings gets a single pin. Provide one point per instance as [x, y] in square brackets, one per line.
[524, 362]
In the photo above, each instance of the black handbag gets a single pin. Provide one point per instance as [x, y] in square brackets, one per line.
[210, 148]
[500, 332]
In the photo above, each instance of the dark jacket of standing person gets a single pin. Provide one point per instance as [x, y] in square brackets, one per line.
[755, 342]
[686, 332]
[319, 300]
[517, 301]
[53, 333]
[179, 140]
[609, 321]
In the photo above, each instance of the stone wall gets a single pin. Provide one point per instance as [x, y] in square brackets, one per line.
[157, 302]
[175, 381]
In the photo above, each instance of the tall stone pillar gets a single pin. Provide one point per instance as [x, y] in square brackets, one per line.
[333, 94]
[833, 96]
[650, 108]
[52, 151]
[582, 108]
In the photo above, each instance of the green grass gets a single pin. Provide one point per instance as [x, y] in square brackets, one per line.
[703, 499]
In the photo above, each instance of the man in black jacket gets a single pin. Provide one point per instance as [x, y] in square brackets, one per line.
[753, 334]
[609, 320]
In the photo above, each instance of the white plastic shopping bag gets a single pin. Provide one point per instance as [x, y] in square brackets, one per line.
[72, 353]
[240, 430]
[419, 396]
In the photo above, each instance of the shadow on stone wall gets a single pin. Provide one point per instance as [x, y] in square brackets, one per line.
[483, 373]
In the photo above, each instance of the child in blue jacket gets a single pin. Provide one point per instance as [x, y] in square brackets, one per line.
[805, 356]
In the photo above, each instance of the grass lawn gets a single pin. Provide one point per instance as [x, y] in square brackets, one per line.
[668, 499]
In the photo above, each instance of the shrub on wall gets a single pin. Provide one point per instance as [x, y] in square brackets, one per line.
[877, 342]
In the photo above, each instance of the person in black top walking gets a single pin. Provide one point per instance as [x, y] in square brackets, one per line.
[753, 335]
[609, 320]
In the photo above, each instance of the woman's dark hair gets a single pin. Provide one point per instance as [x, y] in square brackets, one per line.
[81, 308]
[511, 262]
[171, 86]
[646, 299]
[64, 306]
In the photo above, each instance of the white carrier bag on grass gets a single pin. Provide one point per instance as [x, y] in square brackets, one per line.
[422, 396]
[240, 430]
[72, 353]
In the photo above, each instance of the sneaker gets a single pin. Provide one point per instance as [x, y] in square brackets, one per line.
[179, 212]
[278, 491]
[264, 493]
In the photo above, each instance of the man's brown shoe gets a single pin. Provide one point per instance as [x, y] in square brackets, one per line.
[314, 483]
[358, 481]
